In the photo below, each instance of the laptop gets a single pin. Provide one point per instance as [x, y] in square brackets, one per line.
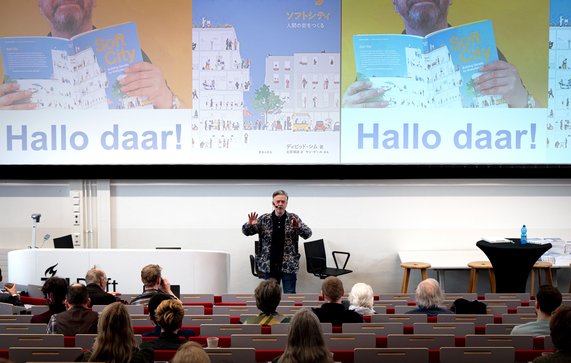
[63, 242]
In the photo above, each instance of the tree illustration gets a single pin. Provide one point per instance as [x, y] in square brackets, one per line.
[267, 101]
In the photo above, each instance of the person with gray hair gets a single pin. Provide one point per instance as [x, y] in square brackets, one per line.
[278, 233]
[361, 299]
[429, 298]
[96, 280]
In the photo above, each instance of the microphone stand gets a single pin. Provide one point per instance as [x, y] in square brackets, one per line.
[34, 234]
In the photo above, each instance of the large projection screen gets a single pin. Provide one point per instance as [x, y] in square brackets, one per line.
[266, 83]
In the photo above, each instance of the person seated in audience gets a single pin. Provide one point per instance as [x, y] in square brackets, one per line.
[548, 299]
[11, 296]
[154, 303]
[168, 317]
[560, 332]
[361, 299]
[190, 352]
[55, 291]
[305, 341]
[429, 298]
[115, 341]
[268, 296]
[153, 283]
[78, 318]
[96, 280]
[333, 311]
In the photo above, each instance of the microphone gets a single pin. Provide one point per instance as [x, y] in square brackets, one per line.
[46, 237]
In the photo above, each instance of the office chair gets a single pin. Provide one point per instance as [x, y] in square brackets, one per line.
[317, 260]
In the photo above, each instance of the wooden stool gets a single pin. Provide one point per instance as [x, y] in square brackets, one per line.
[407, 266]
[475, 267]
[537, 267]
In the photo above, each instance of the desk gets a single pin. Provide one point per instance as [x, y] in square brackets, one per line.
[195, 271]
[512, 263]
[442, 260]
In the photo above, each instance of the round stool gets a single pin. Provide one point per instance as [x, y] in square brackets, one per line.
[475, 268]
[407, 266]
[536, 269]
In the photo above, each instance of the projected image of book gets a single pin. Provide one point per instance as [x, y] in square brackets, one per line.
[433, 71]
[78, 73]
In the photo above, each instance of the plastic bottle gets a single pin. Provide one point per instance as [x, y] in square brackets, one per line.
[523, 239]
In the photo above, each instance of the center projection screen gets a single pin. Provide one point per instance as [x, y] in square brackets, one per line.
[271, 82]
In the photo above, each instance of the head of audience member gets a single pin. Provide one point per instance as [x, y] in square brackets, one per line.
[423, 17]
[361, 295]
[429, 294]
[77, 296]
[169, 315]
[547, 300]
[560, 326]
[332, 289]
[115, 341]
[154, 303]
[68, 18]
[96, 276]
[305, 341]
[190, 352]
[55, 290]
[151, 276]
[268, 296]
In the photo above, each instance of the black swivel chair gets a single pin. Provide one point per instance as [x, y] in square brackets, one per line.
[317, 260]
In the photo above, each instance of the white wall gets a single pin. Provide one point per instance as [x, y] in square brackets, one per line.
[370, 219]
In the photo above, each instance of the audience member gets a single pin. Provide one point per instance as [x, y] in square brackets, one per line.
[429, 298]
[55, 291]
[560, 332]
[361, 299]
[268, 296]
[548, 299]
[96, 280]
[465, 306]
[11, 296]
[115, 341]
[168, 317]
[305, 341]
[78, 318]
[190, 352]
[333, 311]
[153, 283]
[154, 303]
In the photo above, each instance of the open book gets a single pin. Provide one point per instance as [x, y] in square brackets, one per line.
[433, 71]
[78, 73]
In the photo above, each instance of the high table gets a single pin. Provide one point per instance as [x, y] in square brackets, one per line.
[196, 271]
[512, 262]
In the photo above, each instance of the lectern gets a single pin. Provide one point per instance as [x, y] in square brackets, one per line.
[512, 262]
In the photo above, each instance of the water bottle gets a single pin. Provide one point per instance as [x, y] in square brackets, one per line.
[523, 239]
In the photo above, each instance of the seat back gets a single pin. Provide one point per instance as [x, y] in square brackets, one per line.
[316, 260]
[470, 296]
[390, 355]
[518, 318]
[458, 329]
[193, 309]
[382, 329]
[477, 354]
[35, 291]
[301, 297]
[231, 355]
[132, 309]
[510, 303]
[521, 296]
[235, 310]
[188, 320]
[6, 309]
[349, 341]
[477, 319]
[86, 341]
[430, 341]
[259, 341]
[197, 298]
[237, 298]
[284, 328]
[518, 342]
[209, 330]
[9, 318]
[499, 328]
[548, 343]
[23, 328]
[39, 309]
[30, 340]
[43, 354]
[406, 319]
[141, 320]
[407, 297]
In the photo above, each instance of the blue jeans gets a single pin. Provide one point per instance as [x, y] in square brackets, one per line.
[287, 281]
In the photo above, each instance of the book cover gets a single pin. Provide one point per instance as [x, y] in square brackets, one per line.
[78, 73]
[433, 71]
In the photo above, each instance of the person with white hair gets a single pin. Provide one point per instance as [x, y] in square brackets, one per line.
[429, 298]
[361, 299]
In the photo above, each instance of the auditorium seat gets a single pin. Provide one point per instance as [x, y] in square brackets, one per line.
[197, 298]
[390, 355]
[231, 355]
[477, 354]
[284, 328]
[228, 329]
[44, 354]
[518, 342]
[23, 328]
[458, 329]
[518, 318]
[499, 328]
[406, 319]
[382, 329]
[349, 341]
[30, 340]
[10, 318]
[430, 341]
[477, 319]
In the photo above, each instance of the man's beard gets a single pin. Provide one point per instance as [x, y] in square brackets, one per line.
[70, 22]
